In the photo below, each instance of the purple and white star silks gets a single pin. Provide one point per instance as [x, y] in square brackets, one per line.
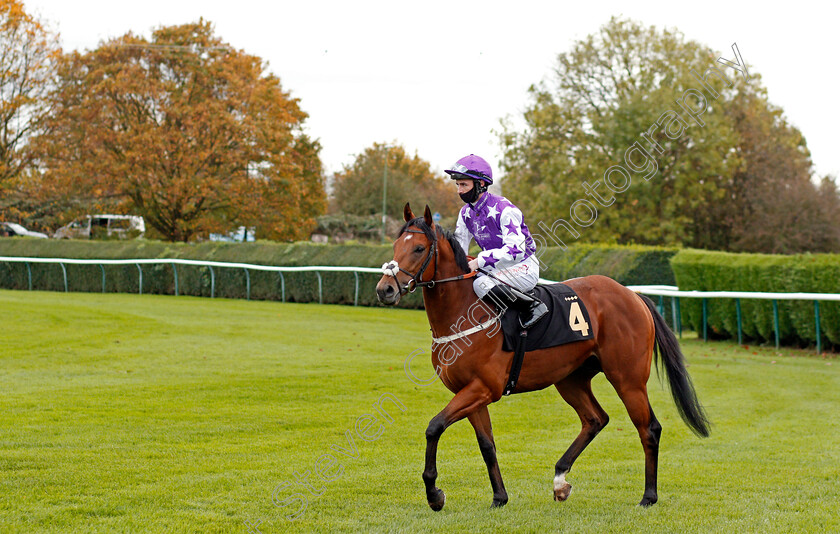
[498, 229]
[490, 260]
[512, 227]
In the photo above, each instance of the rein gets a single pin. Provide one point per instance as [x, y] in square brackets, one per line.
[392, 266]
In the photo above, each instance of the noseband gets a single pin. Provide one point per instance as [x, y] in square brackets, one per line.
[390, 267]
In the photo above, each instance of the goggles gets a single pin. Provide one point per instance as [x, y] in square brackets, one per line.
[461, 169]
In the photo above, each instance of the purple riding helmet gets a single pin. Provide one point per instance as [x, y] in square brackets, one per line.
[475, 168]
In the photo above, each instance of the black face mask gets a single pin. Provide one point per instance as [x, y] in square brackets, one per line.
[472, 195]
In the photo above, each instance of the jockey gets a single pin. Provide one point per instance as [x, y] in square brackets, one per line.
[507, 246]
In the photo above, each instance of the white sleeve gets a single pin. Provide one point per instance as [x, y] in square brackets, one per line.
[462, 234]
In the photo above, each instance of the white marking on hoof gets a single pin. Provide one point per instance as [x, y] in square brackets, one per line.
[562, 489]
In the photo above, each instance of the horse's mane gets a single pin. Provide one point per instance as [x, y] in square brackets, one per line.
[460, 255]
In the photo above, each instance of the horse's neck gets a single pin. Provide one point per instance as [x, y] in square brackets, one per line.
[447, 303]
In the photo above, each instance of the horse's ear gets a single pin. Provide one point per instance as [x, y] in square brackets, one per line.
[428, 216]
[407, 212]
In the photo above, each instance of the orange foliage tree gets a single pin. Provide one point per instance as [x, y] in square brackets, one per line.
[28, 55]
[184, 130]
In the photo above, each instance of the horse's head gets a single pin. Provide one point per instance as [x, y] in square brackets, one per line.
[415, 258]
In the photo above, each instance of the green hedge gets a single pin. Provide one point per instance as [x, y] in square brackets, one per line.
[338, 288]
[721, 271]
[627, 264]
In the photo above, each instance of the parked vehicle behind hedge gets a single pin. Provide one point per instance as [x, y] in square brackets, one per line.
[8, 229]
[103, 227]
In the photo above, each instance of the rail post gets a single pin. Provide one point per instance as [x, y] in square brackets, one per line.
[320, 289]
[356, 294]
[679, 316]
[175, 273]
[817, 321]
[282, 286]
[674, 313]
[248, 284]
[64, 271]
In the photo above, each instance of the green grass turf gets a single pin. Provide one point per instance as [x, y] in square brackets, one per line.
[124, 413]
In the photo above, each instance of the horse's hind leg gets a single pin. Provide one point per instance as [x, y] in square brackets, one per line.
[576, 389]
[480, 420]
[638, 406]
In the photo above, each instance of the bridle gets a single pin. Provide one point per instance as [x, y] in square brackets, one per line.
[390, 267]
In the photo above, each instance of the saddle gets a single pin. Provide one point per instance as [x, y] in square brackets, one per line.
[567, 321]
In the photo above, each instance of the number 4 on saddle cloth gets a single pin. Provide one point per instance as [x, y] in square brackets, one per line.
[567, 320]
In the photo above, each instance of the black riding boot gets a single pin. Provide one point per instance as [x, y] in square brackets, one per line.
[530, 309]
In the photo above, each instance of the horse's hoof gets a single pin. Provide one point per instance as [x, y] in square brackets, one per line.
[439, 501]
[498, 503]
[562, 491]
[648, 501]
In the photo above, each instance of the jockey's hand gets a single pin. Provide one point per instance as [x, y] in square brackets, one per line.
[473, 264]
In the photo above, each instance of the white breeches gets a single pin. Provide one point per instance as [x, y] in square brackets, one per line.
[523, 276]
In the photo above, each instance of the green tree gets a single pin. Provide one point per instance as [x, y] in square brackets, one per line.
[358, 187]
[632, 86]
[184, 130]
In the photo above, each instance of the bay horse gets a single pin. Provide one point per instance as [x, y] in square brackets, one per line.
[627, 332]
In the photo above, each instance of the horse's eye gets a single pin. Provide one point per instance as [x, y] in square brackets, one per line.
[419, 248]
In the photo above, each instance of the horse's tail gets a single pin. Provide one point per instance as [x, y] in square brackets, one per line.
[667, 350]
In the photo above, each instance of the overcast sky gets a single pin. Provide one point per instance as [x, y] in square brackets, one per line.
[437, 77]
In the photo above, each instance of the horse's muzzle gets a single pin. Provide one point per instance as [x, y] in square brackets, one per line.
[387, 291]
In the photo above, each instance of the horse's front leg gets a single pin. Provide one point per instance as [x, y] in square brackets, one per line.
[471, 398]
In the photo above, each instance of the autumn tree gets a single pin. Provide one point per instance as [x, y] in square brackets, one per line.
[359, 186]
[184, 130]
[629, 89]
[28, 56]
[773, 205]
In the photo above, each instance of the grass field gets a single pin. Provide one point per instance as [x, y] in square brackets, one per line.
[176, 414]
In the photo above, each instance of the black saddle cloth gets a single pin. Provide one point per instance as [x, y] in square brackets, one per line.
[565, 311]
